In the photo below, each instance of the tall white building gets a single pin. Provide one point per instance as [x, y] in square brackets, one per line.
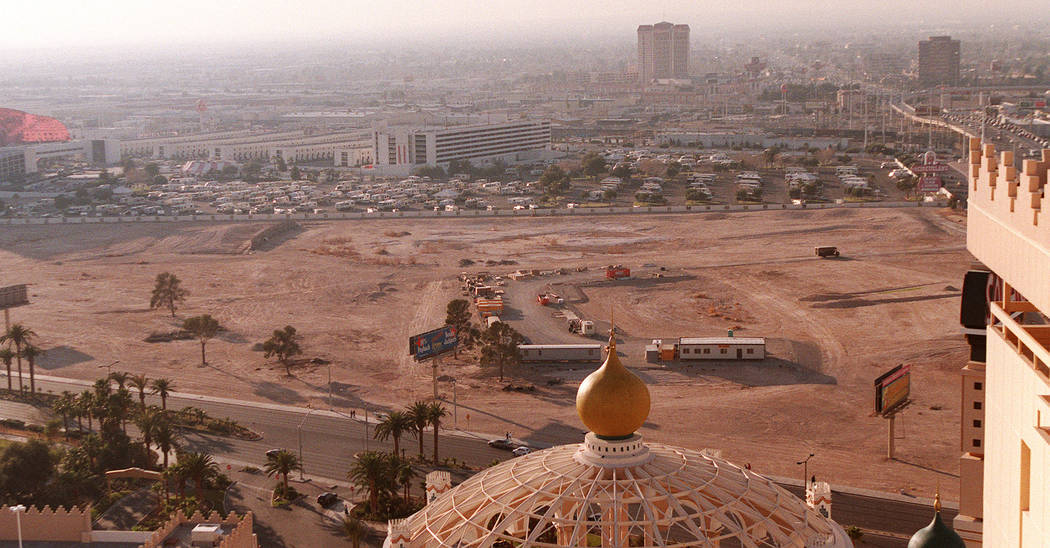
[663, 51]
[509, 141]
[1007, 400]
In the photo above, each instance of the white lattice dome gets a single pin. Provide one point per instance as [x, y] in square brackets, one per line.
[616, 491]
[653, 495]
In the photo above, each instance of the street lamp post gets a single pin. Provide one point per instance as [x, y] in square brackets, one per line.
[805, 471]
[299, 430]
[455, 406]
[109, 368]
[18, 509]
[329, 385]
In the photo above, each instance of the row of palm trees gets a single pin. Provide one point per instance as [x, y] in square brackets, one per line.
[21, 338]
[414, 419]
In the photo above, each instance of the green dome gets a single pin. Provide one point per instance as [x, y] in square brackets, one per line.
[936, 535]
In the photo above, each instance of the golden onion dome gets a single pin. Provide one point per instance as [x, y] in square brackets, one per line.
[612, 402]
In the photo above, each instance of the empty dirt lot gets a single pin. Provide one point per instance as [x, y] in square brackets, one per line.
[356, 290]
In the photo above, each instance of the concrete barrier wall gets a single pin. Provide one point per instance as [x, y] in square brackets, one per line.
[127, 537]
[469, 214]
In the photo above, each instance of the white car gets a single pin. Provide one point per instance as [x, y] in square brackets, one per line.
[522, 451]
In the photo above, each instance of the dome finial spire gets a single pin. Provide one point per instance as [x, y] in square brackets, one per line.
[612, 332]
[612, 401]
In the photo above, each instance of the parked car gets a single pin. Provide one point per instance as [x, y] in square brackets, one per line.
[273, 452]
[522, 451]
[327, 499]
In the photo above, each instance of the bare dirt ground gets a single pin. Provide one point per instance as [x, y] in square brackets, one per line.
[357, 290]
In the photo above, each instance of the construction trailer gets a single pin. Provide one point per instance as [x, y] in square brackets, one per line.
[576, 353]
[721, 348]
[491, 320]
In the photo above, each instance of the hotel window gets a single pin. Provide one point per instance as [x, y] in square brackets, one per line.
[978, 386]
[722, 351]
[977, 423]
[976, 442]
[750, 350]
[976, 405]
[707, 351]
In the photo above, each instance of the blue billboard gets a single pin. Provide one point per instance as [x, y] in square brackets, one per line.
[433, 343]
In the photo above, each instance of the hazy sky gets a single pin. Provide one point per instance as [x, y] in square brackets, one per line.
[33, 24]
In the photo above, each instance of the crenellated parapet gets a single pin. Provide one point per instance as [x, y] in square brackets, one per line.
[1006, 228]
[47, 524]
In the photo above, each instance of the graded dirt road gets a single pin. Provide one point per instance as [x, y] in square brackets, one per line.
[356, 290]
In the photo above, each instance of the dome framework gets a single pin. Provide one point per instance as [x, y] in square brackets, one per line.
[619, 494]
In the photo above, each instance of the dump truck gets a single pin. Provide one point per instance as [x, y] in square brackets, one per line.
[825, 251]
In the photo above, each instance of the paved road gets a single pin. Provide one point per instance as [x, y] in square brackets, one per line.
[331, 439]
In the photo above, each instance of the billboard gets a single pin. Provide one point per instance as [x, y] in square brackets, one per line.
[892, 389]
[929, 183]
[433, 343]
[13, 295]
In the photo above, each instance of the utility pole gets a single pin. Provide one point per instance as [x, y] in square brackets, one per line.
[889, 440]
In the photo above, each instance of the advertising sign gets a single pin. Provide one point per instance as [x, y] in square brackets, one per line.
[892, 389]
[929, 184]
[13, 295]
[433, 343]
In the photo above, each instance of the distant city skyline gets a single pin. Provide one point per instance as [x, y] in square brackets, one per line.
[64, 23]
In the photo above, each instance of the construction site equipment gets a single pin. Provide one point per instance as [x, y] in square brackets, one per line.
[825, 251]
[543, 299]
[617, 272]
[583, 327]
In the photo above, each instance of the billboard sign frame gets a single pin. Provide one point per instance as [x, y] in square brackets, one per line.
[13, 295]
[893, 390]
[433, 343]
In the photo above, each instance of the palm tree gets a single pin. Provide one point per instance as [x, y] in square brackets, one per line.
[436, 412]
[284, 343]
[282, 463]
[18, 335]
[405, 474]
[162, 387]
[7, 356]
[167, 292]
[354, 529]
[147, 421]
[204, 327]
[371, 471]
[31, 353]
[84, 404]
[119, 377]
[394, 425]
[119, 407]
[64, 406]
[140, 382]
[164, 436]
[419, 412]
[199, 467]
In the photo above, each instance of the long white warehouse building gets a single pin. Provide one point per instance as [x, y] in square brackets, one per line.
[482, 142]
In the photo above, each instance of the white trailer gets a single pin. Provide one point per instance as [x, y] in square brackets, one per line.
[579, 353]
[721, 348]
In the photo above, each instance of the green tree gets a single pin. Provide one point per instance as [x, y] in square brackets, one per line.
[394, 425]
[204, 327]
[354, 529]
[31, 353]
[593, 164]
[284, 343]
[26, 470]
[119, 377]
[436, 412]
[165, 436]
[8, 357]
[673, 169]
[419, 412]
[623, 171]
[500, 346]
[294, 174]
[65, 406]
[141, 383]
[20, 336]
[770, 155]
[405, 474]
[162, 388]
[457, 314]
[282, 463]
[147, 421]
[554, 180]
[62, 202]
[281, 165]
[371, 471]
[152, 170]
[199, 467]
[167, 292]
